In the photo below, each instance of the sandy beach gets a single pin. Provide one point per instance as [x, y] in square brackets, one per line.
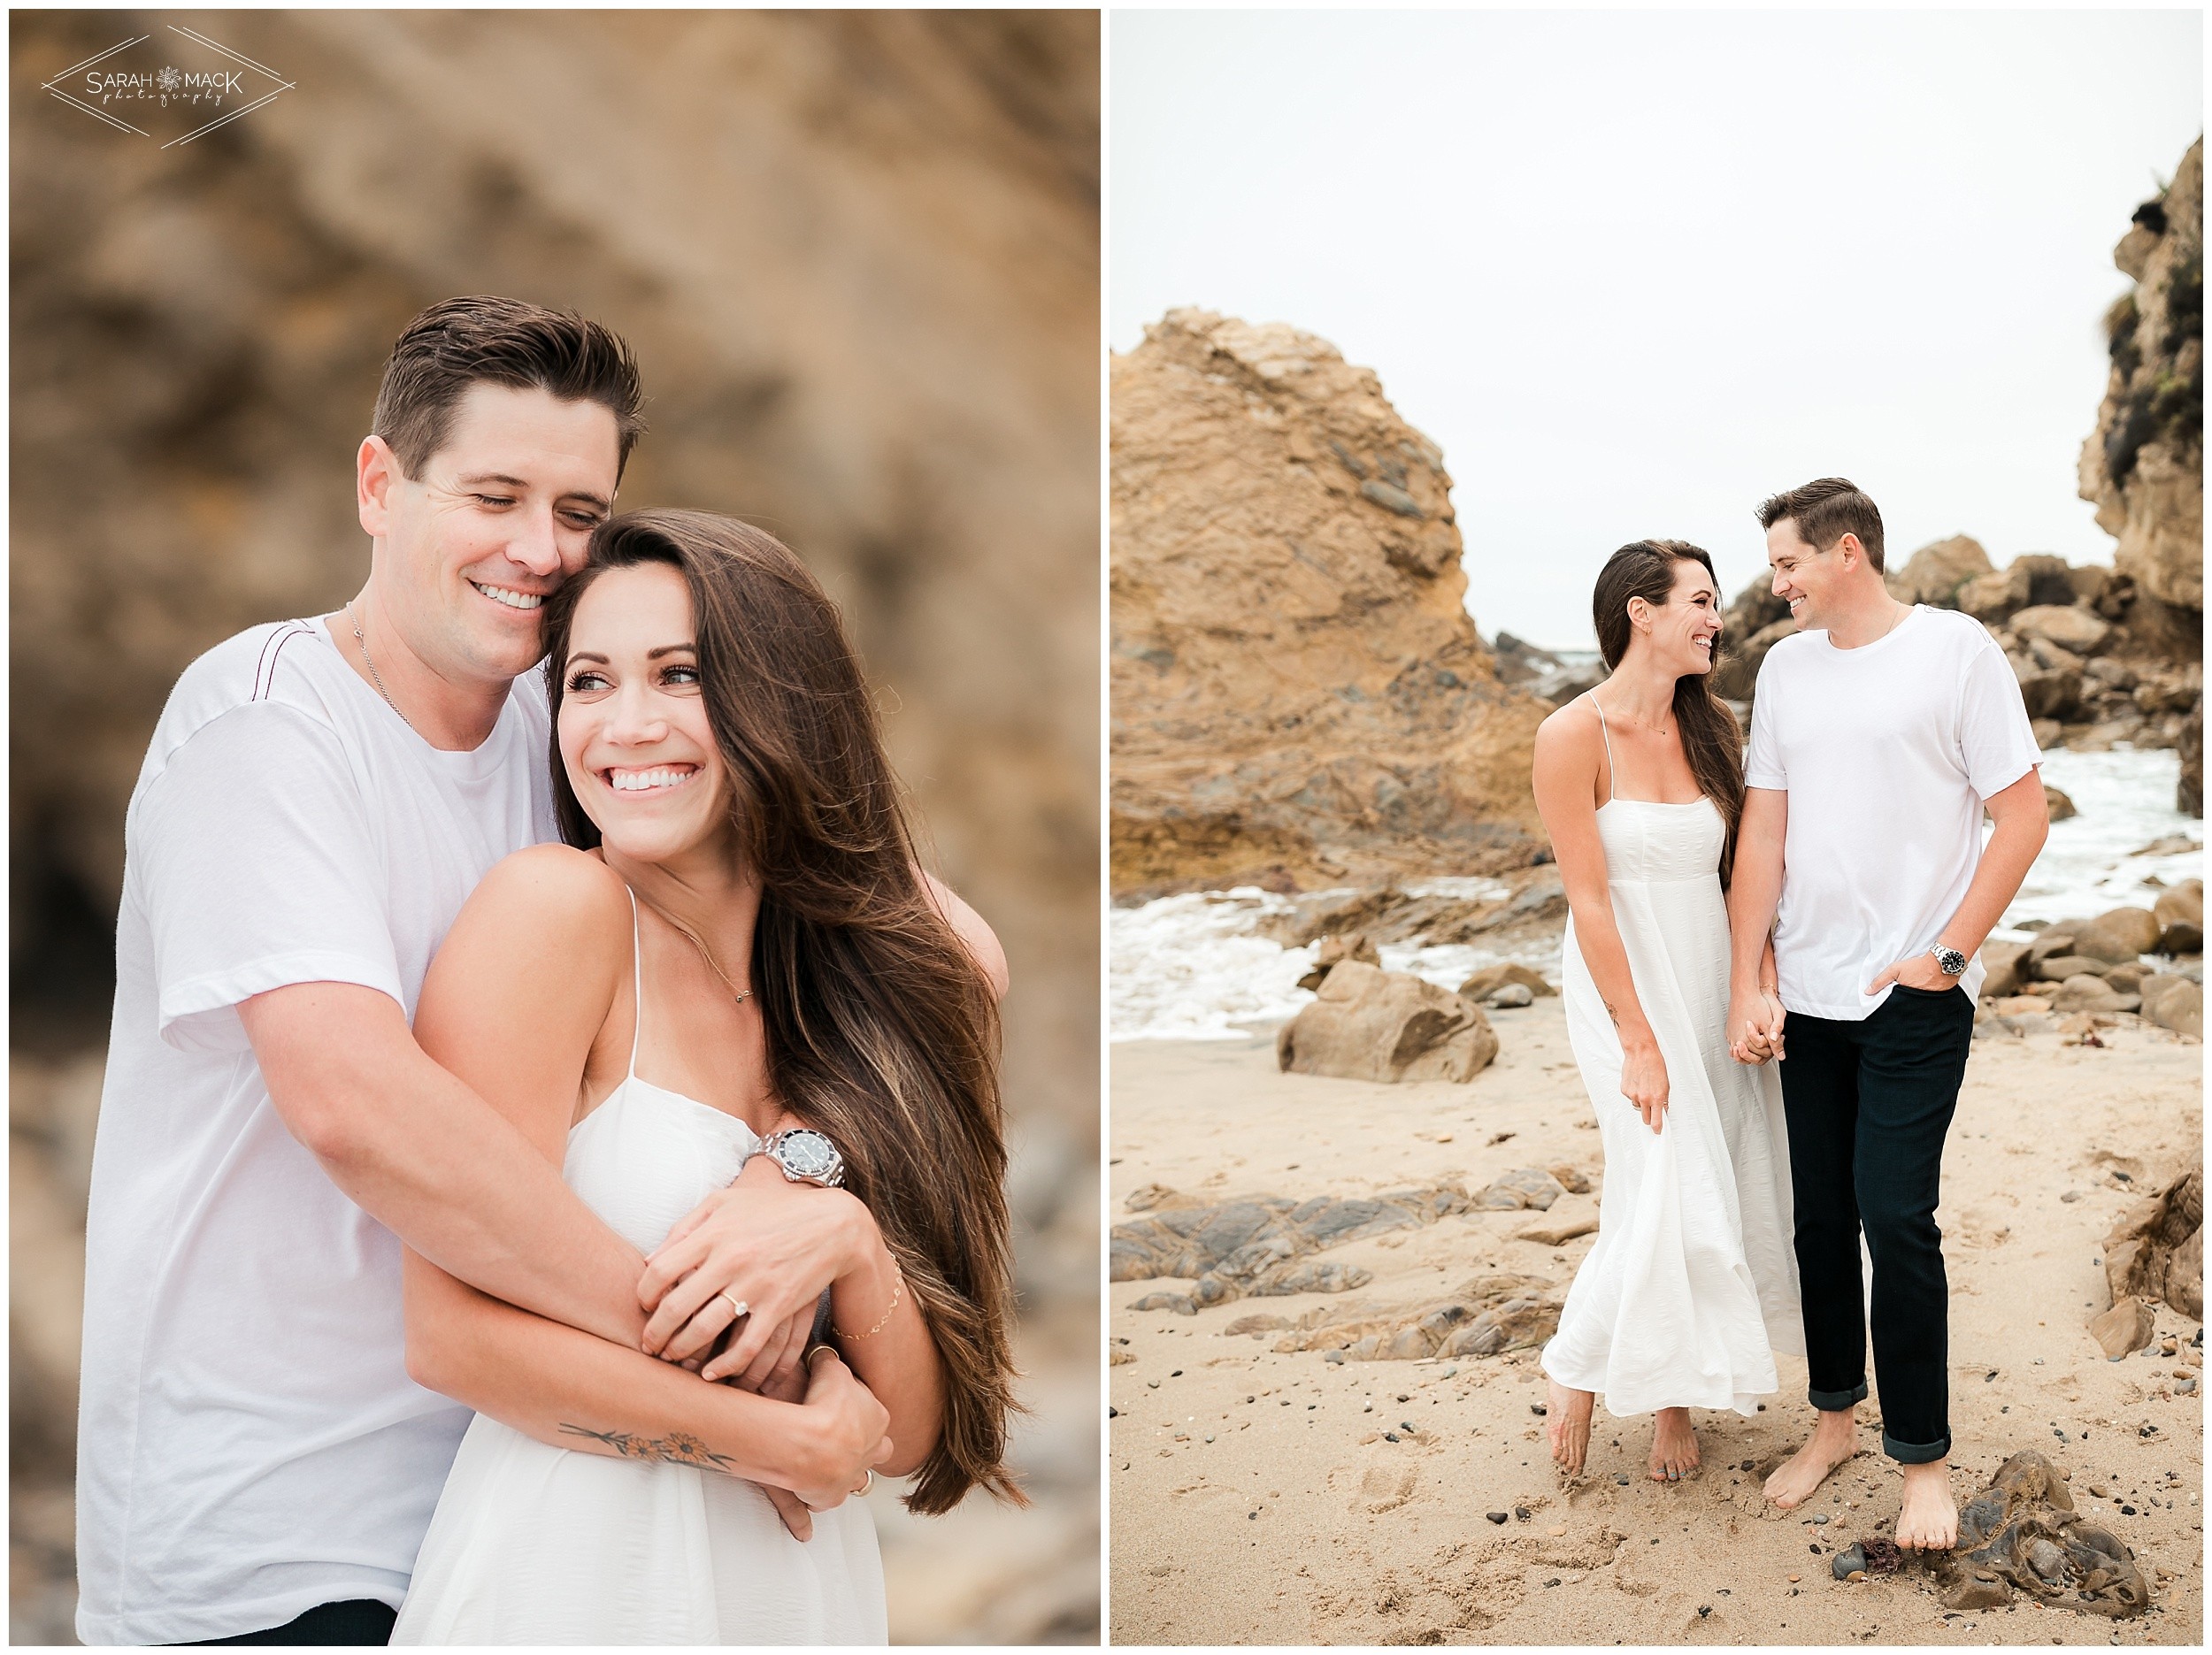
[1256, 1497]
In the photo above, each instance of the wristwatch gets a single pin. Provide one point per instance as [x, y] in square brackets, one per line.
[806, 1157]
[1950, 962]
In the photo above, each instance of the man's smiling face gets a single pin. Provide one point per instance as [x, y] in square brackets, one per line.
[499, 517]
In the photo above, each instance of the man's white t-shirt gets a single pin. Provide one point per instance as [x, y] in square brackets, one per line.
[1886, 752]
[249, 1444]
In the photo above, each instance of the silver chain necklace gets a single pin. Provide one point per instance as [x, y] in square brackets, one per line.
[375, 677]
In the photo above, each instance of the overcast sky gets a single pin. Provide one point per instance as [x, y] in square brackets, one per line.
[1634, 271]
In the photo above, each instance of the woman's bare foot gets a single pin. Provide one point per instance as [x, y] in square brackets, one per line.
[1929, 1519]
[1673, 1445]
[1569, 1425]
[1835, 1440]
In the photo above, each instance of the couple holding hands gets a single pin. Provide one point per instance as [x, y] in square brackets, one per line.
[1771, 974]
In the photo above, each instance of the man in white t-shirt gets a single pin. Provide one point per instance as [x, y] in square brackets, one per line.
[319, 798]
[1880, 733]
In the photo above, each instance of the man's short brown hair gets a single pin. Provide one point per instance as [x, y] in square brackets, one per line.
[1825, 511]
[489, 340]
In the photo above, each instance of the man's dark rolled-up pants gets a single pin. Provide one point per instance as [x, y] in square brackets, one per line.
[1869, 1104]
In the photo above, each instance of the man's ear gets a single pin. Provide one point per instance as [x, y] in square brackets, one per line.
[1850, 551]
[376, 471]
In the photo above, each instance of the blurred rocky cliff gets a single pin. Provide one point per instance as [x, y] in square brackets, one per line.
[1298, 692]
[858, 256]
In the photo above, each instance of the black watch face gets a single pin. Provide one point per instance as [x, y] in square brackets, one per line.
[1952, 962]
[808, 1153]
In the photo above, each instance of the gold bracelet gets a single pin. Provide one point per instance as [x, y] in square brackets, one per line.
[897, 1293]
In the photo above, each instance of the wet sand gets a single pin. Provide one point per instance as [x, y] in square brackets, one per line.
[1254, 1499]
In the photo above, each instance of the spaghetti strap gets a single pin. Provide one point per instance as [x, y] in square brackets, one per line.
[637, 988]
[1611, 779]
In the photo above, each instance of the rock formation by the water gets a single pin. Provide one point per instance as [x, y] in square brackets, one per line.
[2098, 661]
[1366, 1023]
[2143, 466]
[1296, 683]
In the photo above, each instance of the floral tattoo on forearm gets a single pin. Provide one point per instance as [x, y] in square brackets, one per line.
[678, 1449]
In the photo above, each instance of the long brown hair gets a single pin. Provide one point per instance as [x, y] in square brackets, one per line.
[1711, 740]
[881, 1031]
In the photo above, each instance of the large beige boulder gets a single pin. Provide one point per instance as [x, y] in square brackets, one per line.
[2119, 936]
[2048, 692]
[2180, 915]
[2085, 992]
[1365, 1024]
[2059, 807]
[1296, 681]
[2001, 968]
[2174, 1002]
[1935, 572]
[1990, 599]
[2072, 628]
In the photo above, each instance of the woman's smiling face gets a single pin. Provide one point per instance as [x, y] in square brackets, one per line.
[633, 730]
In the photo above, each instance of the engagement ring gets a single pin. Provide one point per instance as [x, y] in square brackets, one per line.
[737, 1306]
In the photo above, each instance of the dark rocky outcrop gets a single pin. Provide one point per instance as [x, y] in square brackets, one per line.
[2022, 1534]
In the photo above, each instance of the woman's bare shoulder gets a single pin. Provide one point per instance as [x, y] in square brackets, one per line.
[550, 897]
[1569, 731]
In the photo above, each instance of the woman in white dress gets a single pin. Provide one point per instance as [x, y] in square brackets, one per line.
[1691, 1284]
[734, 942]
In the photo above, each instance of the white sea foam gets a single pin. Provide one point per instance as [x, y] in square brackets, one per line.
[2091, 860]
[1191, 968]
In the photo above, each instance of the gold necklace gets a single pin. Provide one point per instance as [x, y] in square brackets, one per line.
[1639, 722]
[740, 995]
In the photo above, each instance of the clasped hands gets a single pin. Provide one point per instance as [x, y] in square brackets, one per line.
[772, 1247]
[1755, 1025]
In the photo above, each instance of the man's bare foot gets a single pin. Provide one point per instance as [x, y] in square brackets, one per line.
[1673, 1445]
[1835, 1440]
[1929, 1519]
[1567, 1426]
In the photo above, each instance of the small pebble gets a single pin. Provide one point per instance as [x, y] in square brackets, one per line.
[1209, 1436]
[1556, 1530]
[1333, 1356]
[1151, 1384]
[1822, 1518]
[1521, 1512]
[1537, 1408]
[1621, 1478]
[1178, 1374]
[1795, 1578]
[1390, 1436]
[1495, 1517]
